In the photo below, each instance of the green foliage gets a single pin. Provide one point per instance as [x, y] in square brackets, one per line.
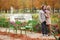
[6, 24]
[2, 21]
[32, 22]
[54, 18]
[18, 22]
[59, 23]
[11, 26]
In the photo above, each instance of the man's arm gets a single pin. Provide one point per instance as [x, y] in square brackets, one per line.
[40, 17]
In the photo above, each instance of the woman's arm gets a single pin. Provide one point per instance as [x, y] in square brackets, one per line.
[46, 15]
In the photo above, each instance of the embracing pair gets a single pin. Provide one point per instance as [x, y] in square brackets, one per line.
[45, 19]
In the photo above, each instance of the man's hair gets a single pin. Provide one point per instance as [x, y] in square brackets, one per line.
[42, 7]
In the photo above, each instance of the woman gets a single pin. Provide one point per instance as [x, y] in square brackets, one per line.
[48, 19]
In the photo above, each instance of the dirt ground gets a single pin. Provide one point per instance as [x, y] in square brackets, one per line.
[11, 36]
[6, 35]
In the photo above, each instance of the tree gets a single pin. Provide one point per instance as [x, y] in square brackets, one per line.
[22, 4]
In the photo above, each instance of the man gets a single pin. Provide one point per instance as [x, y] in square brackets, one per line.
[43, 20]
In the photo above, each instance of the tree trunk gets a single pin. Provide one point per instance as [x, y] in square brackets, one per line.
[5, 11]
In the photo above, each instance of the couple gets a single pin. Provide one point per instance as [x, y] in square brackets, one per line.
[44, 16]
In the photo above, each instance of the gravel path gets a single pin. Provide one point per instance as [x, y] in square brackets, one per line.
[30, 36]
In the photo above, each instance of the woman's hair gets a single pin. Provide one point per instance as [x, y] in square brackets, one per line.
[48, 8]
